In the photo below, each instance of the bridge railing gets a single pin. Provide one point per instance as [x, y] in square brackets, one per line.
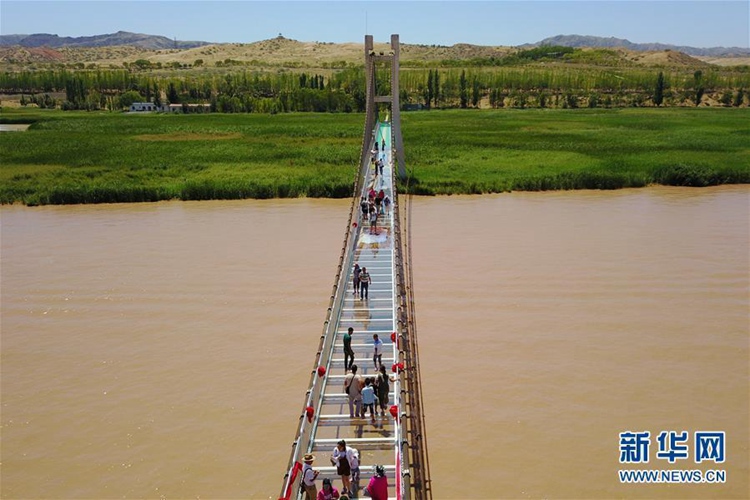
[413, 438]
[403, 486]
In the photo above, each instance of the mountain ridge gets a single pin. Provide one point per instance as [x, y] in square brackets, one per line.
[107, 40]
[157, 42]
[580, 41]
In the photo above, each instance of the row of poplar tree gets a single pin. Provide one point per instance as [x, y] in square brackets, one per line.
[344, 90]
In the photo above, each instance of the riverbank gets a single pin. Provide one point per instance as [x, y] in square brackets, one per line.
[78, 157]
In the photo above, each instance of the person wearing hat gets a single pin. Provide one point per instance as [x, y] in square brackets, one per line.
[377, 489]
[308, 477]
[328, 492]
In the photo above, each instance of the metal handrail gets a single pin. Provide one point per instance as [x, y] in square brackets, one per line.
[423, 486]
[403, 469]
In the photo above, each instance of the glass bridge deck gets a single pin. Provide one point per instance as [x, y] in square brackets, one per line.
[329, 421]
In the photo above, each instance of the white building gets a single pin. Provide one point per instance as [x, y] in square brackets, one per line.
[146, 106]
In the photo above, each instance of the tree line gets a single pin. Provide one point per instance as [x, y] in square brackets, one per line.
[249, 91]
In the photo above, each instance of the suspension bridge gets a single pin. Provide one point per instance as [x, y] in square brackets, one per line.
[396, 440]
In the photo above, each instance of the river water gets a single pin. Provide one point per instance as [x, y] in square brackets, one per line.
[162, 350]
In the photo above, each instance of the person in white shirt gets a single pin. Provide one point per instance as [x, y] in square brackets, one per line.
[354, 466]
[342, 458]
[377, 355]
[308, 477]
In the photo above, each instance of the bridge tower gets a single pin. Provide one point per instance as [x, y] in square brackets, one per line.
[372, 59]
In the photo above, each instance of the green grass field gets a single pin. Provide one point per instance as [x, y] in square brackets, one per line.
[71, 157]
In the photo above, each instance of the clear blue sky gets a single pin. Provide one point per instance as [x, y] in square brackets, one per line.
[694, 23]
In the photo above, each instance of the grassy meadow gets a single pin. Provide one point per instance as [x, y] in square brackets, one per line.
[530, 150]
[79, 157]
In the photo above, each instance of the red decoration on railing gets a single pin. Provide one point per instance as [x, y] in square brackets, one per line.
[397, 367]
[309, 413]
[296, 468]
[394, 411]
[321, 371]
[354, 225]
[393, 336]
[398, 475]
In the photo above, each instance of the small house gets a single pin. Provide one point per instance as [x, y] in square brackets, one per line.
[141, 107]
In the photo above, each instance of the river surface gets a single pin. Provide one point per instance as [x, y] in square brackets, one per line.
[163, 350]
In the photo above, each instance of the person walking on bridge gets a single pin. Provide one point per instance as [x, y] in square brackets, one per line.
[308, 477]
[377, 355]
[364, 206]
[348, 351]
[377, 489]
[355, 278]
[379, 202]
[354, 466]
[364, 284]
[382, 382]
[369, 400]
[374, 220]
[328, 492]
[353, 387]
[341, 458]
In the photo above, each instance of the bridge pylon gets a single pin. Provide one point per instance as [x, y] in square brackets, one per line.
[372, 58]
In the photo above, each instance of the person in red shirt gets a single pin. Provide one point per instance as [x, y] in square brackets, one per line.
[328, 492]
[377, 488]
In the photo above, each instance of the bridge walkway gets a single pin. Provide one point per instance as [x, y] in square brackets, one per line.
[329, 420]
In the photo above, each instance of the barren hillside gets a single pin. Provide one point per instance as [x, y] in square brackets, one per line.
[663, 58]
[282, 51]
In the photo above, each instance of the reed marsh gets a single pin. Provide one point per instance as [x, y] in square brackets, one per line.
[79, 157]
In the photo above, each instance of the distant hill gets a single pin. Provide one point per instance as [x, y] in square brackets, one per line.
[153, 42]
[580, 41]
[114, 50]
[157, 42]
